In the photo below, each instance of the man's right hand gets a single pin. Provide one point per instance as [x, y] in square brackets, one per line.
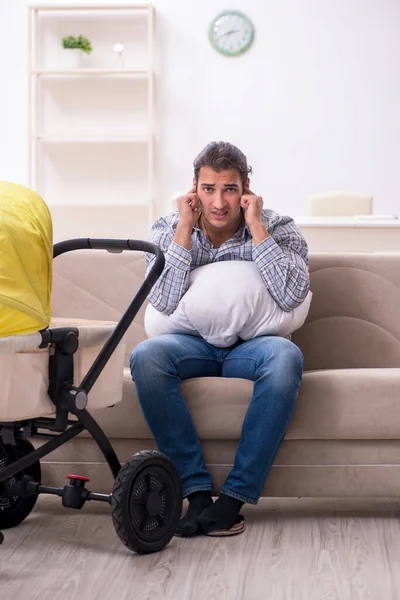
[189, 208]
[189, 212]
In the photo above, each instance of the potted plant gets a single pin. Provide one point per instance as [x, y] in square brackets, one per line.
[75, 48]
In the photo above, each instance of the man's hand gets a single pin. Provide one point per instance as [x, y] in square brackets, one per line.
[189, 208]
[252, 208]
[189, 212]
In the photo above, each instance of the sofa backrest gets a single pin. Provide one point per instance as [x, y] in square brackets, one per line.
[354, 321]
[95, 284]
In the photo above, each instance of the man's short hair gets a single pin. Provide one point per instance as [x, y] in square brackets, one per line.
[222, 156]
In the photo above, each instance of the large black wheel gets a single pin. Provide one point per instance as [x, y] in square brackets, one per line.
[146, 502]
[14, 510]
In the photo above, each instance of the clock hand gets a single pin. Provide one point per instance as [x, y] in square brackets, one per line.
[232, 31]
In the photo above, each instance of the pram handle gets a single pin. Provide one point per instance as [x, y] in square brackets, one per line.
[115, 245]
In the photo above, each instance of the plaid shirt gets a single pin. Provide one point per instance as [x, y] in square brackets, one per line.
[281, 258]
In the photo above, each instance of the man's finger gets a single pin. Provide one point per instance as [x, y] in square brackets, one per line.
[193, 201]
[248, 191]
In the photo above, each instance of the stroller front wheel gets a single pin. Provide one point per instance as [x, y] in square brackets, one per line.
[146, 502]
[13, 509]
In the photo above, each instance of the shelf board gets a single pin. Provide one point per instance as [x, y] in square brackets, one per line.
[140, 74]
[137, 139]
[95, 208]
[99, 6]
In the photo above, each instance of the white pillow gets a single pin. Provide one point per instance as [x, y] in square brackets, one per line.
[226, 301]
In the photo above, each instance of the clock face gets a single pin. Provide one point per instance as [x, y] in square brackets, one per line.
[231, 33]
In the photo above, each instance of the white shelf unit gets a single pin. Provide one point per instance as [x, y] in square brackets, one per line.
[91, 132]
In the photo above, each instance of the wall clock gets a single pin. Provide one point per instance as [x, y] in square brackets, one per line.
[231, 33]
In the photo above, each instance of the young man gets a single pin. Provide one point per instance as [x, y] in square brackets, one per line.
[221, 219]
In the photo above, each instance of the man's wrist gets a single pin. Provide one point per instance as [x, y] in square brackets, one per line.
[184, 227]
[258, 232]
[183, 235]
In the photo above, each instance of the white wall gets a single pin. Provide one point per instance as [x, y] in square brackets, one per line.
[314, 104]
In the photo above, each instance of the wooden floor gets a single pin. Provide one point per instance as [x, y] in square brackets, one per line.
[291, 550]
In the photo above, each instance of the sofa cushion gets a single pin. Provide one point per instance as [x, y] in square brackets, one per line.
[334, 404]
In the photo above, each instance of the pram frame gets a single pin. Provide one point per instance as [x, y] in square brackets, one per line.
[69, 429]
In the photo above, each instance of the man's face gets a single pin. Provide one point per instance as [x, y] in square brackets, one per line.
[220, 195]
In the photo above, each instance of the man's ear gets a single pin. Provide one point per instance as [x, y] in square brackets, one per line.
[247, 184]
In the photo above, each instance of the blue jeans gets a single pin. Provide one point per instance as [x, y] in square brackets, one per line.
[275, 364]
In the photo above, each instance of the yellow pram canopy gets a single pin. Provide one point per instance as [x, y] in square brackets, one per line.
[26, 254]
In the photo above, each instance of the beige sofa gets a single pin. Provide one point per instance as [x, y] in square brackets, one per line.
[344, 437]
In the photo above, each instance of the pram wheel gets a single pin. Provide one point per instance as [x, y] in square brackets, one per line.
[13, 509]
[146, 502]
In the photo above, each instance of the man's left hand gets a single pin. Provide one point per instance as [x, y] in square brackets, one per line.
[252, 207]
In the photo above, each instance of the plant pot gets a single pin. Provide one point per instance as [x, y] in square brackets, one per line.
[72, 58]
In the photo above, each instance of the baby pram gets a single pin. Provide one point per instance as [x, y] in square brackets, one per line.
[49, 379]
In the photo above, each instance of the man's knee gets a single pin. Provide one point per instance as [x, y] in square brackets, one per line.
[288, 352]
[281, 369]
[285, 356]
[139, 353]
[152, 353]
